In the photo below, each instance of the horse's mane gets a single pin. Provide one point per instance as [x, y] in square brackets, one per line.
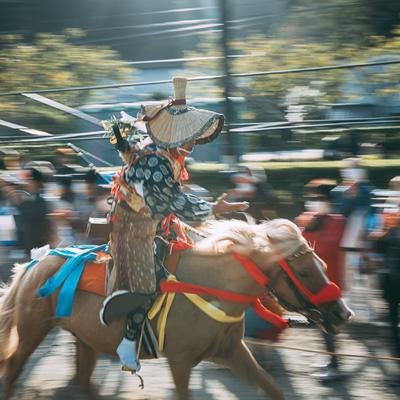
[282, 234]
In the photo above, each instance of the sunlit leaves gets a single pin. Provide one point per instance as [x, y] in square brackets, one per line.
[54, 61]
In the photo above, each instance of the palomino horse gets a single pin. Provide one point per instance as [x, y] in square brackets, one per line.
[290, 267]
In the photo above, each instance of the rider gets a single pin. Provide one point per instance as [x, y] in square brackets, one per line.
[154, 184]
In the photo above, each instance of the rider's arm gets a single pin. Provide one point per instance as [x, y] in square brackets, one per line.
[164, 195]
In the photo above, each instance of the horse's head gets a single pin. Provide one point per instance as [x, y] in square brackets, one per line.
[297, 278]
[282, 260]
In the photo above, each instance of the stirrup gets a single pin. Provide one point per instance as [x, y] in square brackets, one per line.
[125, 368]
[134, 372]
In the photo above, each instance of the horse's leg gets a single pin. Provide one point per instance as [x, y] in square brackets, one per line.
[181, 366]
[243, 364]
[85, 363]
[29, 340]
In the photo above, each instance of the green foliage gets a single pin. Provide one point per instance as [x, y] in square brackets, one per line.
[340, 21]
[306, 96]
[210, 47]
[53, 61]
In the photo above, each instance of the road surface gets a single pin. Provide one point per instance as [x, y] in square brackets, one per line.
[48, 374]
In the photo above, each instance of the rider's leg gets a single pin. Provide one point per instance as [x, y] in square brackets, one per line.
[127, 349]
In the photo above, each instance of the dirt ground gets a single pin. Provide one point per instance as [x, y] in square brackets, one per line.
[48, 374]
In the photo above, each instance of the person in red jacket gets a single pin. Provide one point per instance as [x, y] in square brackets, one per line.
[324, 230]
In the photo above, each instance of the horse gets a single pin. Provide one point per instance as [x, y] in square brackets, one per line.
[287, 266]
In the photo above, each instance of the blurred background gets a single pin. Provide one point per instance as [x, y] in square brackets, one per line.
[303, 82]
[311, 95]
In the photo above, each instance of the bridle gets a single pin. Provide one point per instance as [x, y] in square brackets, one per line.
[328, 293]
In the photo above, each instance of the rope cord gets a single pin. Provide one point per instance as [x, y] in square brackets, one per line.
[329, 353]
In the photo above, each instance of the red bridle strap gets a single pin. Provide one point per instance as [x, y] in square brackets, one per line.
[269, 316]
[184, 287]
[253, 301]
[330, 292]
[255, 272]
[252, 268]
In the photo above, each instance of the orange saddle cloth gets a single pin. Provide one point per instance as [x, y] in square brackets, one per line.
[93, 278]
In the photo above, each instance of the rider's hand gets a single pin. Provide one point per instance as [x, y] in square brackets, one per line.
[222, 206]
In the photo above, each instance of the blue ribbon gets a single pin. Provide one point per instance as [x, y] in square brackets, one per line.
[68, 276]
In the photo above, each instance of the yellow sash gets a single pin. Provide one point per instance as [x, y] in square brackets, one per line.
[163, 305]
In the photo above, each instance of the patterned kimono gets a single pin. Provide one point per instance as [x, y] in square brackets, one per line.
[162, 191]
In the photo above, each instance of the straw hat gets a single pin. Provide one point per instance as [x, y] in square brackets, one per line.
[174, 123]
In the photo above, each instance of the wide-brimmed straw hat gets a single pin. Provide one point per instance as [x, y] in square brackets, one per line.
[175, 123]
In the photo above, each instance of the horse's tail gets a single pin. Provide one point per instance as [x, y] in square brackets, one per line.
[8, 331]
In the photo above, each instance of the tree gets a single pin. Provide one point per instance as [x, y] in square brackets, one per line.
[52, 61]
[291, 96]
[340, 21]
[270, 96]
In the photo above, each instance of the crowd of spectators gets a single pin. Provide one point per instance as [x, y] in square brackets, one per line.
[41, 205]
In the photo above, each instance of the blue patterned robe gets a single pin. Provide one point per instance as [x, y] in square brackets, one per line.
[153, 178]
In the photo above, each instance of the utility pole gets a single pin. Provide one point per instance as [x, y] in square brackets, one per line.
[230, 154]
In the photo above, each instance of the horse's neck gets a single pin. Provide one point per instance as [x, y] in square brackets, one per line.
[217, 271]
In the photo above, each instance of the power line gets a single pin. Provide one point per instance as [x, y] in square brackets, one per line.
[172, 23]
[205, 77]
[362, 123]
[144, 34]
[189, 59]
[180, 22]
[305, 125]
[155, 24]
[230, 25]
[160, 12]
[172, 11]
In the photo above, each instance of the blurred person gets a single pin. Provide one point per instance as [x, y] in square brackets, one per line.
[154, 178]
[353, 194]
[386, 235]
[244, 185]
[92, 203]
[324, 230]
[9, 250]
[34, 227]
[66, 211]
[265, 202]
[93, 197]
[352, 199]
[74, 207]
[251, 185]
